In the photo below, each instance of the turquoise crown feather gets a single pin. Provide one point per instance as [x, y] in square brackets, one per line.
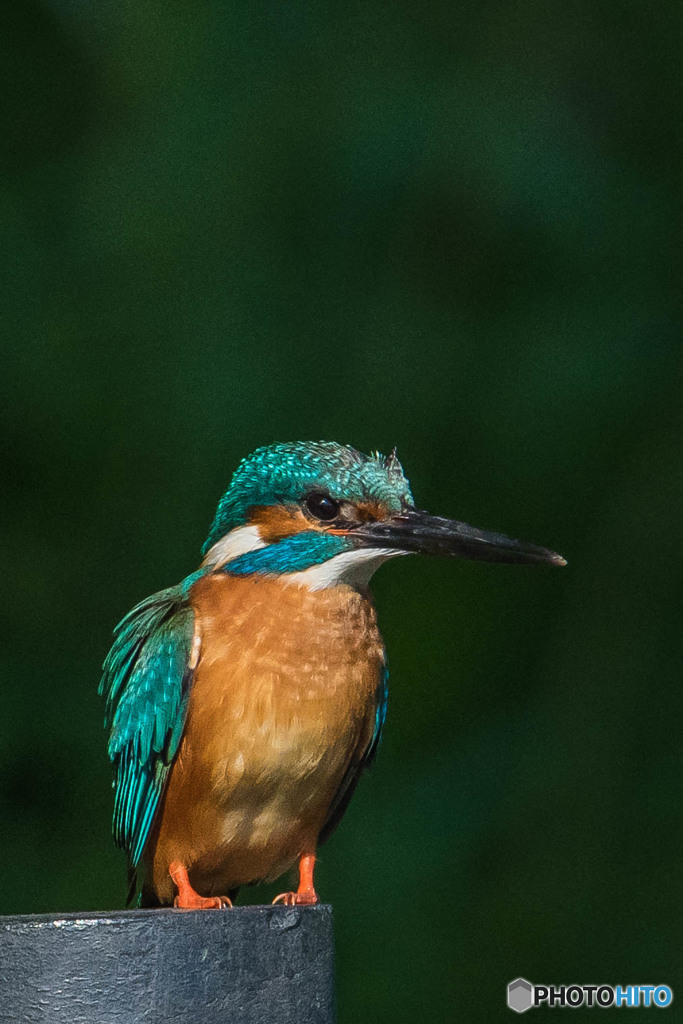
[285, 473]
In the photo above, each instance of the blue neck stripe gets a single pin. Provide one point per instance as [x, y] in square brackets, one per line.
[293, 554]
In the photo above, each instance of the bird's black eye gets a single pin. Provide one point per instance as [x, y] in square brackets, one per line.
[322, 507]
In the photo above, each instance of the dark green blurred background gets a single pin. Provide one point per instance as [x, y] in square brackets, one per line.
[448, 227]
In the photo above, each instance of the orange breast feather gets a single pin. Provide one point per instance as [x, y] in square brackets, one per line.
[282, 701]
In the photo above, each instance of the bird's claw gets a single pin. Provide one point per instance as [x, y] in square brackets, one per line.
[305, 898]
[196, 902]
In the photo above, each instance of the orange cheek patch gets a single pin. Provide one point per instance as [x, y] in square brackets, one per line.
[371, 511]
[275, 522]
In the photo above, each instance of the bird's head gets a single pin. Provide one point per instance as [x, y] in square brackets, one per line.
[323, 513]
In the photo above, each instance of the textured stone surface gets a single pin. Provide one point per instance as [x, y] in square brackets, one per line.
[250, 964]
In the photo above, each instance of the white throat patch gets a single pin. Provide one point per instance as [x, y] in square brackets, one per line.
[238, 542]
[354, 568]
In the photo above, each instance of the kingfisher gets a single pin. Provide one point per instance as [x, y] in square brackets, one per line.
[245, 703]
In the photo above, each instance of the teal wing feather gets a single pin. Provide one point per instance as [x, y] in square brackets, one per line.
[358, 765]
[146, 681]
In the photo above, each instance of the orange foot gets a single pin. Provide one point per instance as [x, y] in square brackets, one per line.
[305, 894]
[197, 902]
[187, 898]
[297, 899]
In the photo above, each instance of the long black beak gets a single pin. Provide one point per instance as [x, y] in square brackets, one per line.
[413, 530]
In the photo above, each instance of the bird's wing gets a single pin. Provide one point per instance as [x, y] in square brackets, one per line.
[359, 763]
[146, 681]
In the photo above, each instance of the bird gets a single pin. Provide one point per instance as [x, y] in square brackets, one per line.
[245, 703]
